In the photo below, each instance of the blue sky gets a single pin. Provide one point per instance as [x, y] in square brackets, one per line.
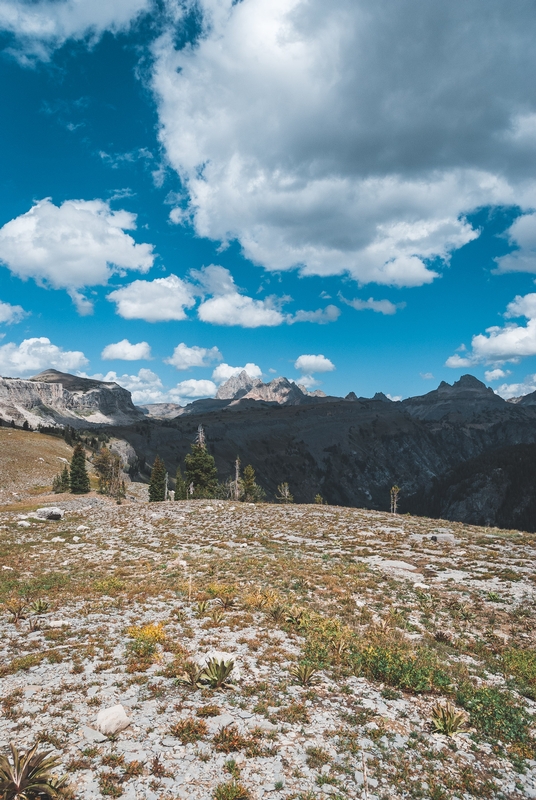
[191, 187]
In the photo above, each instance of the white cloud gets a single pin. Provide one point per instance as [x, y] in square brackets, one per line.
[508, 390]
[509, 343]
[80, 243]
[10, 314]
[224, 371]
[160, 300]
[494, 374]
[309, 382]
[40, 27]
[426, 376]
[228, 307]
[185, 357]
[380, 306]
[146, 386]
[37, 354]
[125, 351]
[310, 363]
[321, 316]
[185, 390]
[301, 136]
[522, 235]
[396, 398]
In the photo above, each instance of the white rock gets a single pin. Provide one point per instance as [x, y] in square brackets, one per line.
[112, 720]
[23, 523]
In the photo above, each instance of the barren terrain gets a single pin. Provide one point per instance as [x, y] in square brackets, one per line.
[394, 613]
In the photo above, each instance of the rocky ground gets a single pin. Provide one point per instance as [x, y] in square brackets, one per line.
[395, 613]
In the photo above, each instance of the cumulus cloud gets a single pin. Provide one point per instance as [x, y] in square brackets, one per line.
[125, 351]
[79, 243]
[508, 343]
[344, 143]
[228, 307]
[508, 390]
[321, 316]
[160, 300]
[37, 354]
[310, 363]
[224, 371]
[427, 376]
[521, 235]
[40, 27]
[10, 314]
[380, 306]
[146, 386]
[494, 374]
[185, 357]
[185, 390]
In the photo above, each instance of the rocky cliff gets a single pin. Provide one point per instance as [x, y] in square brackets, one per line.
[57, 398]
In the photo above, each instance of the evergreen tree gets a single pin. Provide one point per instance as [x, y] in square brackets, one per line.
[157, 486]
[181, 488]
[251, 491]
[78, 478]
[25, 425]
[65, 481]
[201, 472]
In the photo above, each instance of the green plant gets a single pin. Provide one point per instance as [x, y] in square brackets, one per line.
[232, 768]
[157, 485]
[283, 493]
[217, 616]
[202, 607]
[295, 616]
[216, 674]
[78, 477]
[317, 757]
[232, 790]
[208, 711]
[190, 676]
[29, 775]
[319, 500]
[226, 602]
[189, 730]
[230, 740]
[448, 720]
[277, 612]
[40, 606]
[201, 474]
[496, 715]
[304, 674]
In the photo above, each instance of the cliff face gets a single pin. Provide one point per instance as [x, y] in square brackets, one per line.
[53, 398]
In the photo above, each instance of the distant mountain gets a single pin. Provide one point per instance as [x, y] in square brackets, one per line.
[57, 398]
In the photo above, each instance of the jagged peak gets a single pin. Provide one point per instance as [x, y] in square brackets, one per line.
[237, 386]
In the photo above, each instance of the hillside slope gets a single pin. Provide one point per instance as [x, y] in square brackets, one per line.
[28, 463]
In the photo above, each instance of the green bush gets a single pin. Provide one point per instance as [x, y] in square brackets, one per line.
[415, 672]
[521, 664]
[496, 715]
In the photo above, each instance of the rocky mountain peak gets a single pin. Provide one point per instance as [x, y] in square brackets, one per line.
[73, 383]
[237, 386]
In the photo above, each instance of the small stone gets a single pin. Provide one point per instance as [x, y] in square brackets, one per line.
[91, 735]
[112, 720]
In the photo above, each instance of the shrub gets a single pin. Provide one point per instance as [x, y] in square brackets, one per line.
[496, 715]
[397, 666]
[232, 790]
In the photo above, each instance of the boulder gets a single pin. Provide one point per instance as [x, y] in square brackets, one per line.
[112, 720]
[50, 513]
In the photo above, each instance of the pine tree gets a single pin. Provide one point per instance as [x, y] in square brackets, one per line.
[252, 492]
[65, 481]
[103, 466]
[181, 488]
[201, 471]
[78, 478]
[157, 486]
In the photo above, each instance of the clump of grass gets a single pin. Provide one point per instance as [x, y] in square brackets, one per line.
[189, 730]
[317, 757]
[208, 711]
[231, 790]
[448, 720]
[497, 716]
[521, 665]
[230, 740]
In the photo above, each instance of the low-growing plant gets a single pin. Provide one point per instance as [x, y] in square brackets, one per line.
[217, 616]
[304, 674]
[216, 674]
[497, 715]
[447, 719]
[208, 711]
[190, 676]
[39, 606]
[202, 607]
[189, 730]
[232, 768]
[29, 775]
[17, 608]
[317, 757]
[277, 612]
[232, 790]
[230, 740]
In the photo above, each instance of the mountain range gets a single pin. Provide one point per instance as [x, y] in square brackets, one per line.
[458, 452]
